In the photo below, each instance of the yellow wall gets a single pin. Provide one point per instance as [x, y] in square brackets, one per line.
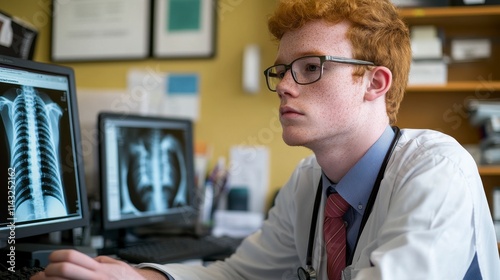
[228, 115]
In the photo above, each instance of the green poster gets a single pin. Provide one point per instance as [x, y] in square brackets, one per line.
[184, 15]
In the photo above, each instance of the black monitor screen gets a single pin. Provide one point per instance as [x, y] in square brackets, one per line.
[147, 171]
[41, 170]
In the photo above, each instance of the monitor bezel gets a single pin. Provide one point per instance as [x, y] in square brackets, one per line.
[185, 220]
[65, 223]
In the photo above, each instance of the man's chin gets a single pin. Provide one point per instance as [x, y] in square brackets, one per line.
[292, 141]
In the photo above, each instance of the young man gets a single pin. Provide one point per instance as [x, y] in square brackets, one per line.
[340, 74]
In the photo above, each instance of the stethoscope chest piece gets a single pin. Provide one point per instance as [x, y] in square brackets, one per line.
[306, 273]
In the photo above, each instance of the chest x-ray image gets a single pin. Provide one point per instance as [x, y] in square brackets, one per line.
[31, 122]
[152, 171]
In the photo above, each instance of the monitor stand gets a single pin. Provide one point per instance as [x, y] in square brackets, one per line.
[116, 239]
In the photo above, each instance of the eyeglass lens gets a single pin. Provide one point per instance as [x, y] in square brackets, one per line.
[304, 70]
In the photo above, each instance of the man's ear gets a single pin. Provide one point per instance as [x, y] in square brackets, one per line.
[379, 83]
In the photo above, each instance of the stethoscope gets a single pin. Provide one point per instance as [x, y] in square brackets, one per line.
[308, 273]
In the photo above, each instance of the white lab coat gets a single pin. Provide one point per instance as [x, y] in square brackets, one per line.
[429, 219]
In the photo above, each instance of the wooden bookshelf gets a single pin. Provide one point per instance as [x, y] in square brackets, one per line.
[429, 106]
[468, 22]
[442, 107]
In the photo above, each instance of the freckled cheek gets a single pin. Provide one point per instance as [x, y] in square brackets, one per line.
[329, 110]
[330, 96]
[334, 105]
[336, 114]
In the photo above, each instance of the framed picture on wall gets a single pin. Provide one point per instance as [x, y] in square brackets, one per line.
[100, 30]
[184, 28]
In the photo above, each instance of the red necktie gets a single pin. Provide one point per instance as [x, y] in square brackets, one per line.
[334, 230]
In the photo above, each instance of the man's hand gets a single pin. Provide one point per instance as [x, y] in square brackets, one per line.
[71, 264]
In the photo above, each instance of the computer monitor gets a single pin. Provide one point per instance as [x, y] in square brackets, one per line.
[42, 186]
[147, 172]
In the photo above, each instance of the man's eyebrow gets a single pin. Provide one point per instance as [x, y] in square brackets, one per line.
[299, 55]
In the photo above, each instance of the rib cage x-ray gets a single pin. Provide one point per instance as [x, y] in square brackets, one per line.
[152, 171]
[31, 122]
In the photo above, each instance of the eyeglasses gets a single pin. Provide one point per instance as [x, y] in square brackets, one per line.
[305, 70]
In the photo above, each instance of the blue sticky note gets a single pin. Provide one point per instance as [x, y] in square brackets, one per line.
[182, 84]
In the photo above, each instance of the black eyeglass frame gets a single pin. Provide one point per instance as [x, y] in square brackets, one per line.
[322, 58]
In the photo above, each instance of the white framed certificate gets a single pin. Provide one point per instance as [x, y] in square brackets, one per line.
[85, 30]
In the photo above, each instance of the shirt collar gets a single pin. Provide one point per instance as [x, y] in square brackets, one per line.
[356, 186]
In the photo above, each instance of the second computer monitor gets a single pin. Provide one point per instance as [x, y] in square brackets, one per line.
[147, 171]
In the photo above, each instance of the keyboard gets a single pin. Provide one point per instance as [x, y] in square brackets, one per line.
[176, 249]
[20, 273]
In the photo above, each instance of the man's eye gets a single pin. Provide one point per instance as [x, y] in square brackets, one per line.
[312, 68]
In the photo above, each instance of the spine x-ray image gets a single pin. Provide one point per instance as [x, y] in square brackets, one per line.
[31, 122]
[152, 171]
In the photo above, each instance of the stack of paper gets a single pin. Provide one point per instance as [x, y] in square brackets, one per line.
[428, 65]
